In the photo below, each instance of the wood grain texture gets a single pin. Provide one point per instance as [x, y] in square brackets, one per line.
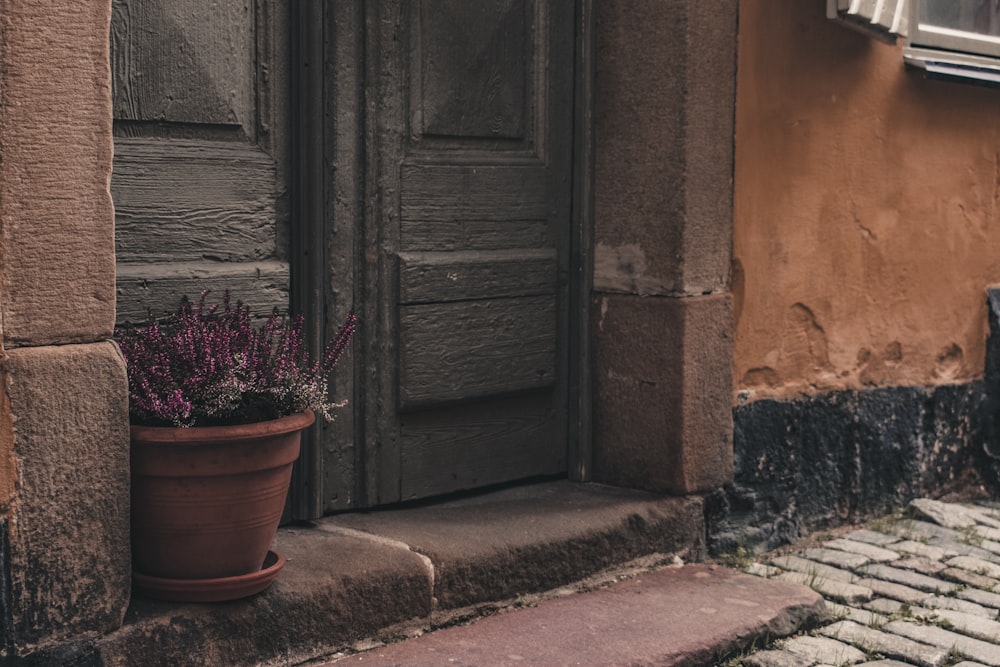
[459, 351]
[146, 290]
[458, 200]
[492, 443]
[467, 192]
[183, 61]
[455, 276]
[473, 68]
[188, 200]
[441, 235]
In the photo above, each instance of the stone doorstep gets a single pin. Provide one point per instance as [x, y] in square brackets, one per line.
[379, 575]
[687, 616]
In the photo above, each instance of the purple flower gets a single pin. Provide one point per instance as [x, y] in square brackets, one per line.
[210, 365]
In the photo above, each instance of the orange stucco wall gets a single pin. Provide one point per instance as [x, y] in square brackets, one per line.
[867, 211]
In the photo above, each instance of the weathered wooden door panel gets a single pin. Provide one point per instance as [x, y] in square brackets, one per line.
[473, 169]
[475, 349]
[199, 95]
[494, 442]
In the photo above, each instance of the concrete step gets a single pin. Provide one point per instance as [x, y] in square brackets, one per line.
[689, 616]
[379, 575]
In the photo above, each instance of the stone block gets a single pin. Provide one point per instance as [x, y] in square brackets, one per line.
[664, 152]
[663, 392]
[57, 220]
[890, 645]
[481, 551]
[69, 558]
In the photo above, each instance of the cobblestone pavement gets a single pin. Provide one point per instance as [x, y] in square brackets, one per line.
[920, 589]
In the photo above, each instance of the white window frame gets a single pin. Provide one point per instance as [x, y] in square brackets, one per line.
[949, 53]
[926, 35]
[885, 19]
[943, 52]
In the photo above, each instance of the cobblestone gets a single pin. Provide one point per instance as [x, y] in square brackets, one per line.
[828, 588]
[869, 551]
[871, 537]
[976, 565]
[910, 591]
[824, 650]
[912, 579]
[889, 644]
[804, 565]
[838, 558]
[952, 642]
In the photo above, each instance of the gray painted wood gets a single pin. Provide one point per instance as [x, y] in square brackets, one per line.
[456, 234]
[464, 193]
[184, 61]
[472, 68]
[200, 156]
[154, 290]
[466, 243]
[188, 200]
[495, 442]
[475, 349]
[429, 277]
[343, 202]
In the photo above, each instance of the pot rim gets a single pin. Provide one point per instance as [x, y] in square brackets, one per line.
[193, 435]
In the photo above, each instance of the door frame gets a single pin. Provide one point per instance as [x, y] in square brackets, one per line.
[334, 247]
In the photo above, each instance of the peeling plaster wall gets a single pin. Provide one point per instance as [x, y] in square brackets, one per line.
[866, 212]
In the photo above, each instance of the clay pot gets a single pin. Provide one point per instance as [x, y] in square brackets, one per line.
[206, 501]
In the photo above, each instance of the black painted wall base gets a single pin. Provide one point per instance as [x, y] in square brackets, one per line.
[837, 458]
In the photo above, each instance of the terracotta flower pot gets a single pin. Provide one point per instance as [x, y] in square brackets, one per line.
[206, 501]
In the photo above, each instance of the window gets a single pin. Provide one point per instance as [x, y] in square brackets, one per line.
[881, 18]
[950, 39]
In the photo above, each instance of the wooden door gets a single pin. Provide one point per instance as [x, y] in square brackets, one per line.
[199, 101]
[466, 243]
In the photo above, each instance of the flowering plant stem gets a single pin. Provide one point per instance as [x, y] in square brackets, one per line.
[207, 365]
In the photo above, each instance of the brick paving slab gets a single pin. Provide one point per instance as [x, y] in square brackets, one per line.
[777, 659]
[983, 515]
[895, 591]
[911, 579]
[987, 533]
[960, 576]
[985, 598]
[835, 590]
[861, 616]
[991, 548]
[976, 565]
[940, 602]
[871, 537]
[886, 608]
[812, 568]
[823, 650]
[891, 645]
[923, 550]
[946, 514]
[836, 557]
[975, 649]
[875, 553]
[921, 565]
[969, 624]
[935, 594]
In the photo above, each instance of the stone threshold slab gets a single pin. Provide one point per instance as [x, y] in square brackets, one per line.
[686, 616]
[382, 574]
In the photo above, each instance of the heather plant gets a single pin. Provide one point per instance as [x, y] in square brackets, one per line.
[207, 365]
